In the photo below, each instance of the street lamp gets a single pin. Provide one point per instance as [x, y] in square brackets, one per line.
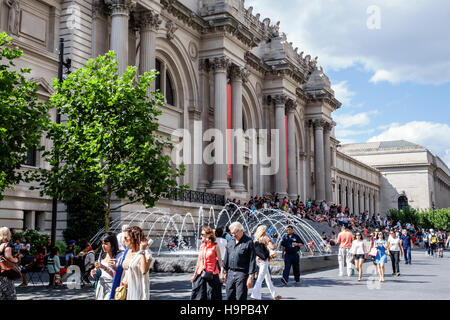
[61, 64]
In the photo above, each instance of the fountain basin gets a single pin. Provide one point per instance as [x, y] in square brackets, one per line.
[186, 262]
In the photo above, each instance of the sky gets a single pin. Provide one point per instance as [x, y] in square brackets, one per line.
[388, 62]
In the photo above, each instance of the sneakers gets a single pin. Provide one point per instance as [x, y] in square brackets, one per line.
[284, 281]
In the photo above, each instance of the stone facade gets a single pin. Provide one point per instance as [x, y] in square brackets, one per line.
[409, 172]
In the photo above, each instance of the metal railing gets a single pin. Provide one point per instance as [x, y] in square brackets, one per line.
[196, 196]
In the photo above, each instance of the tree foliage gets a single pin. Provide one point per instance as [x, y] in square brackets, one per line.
[109, 139]
[430, 218]
[22, 117]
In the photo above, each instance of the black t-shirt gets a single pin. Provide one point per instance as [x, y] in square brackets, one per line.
[287, 243]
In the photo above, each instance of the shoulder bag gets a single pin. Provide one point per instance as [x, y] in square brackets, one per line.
[121, 291]
[9, 269]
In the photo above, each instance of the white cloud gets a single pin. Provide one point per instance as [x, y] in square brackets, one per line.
[409, 46]
[347, 120]
[433, 136]
[343, 93]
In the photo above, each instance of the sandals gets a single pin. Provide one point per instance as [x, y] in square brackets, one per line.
[277, 297]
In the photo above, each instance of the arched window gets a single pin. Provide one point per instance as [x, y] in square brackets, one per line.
[402, 202]
[164, 82]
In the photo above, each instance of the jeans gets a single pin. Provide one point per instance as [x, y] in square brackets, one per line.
[395, 259]
[263, 274]
[344, 256]
[407, 254]
[291, 259]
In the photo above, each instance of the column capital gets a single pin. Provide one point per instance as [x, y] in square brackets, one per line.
[280, 99]
[120, 7]
[148, 20]
[98, 9]
[239, 73]
[328, 126]
[318, 123]
[220, 63]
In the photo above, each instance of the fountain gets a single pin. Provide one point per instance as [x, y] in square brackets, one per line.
[177, 235]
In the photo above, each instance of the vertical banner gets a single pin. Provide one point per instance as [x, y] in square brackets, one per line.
[229, 167]
[286, 140]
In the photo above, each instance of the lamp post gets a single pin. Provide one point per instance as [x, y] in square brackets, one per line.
[61, 65]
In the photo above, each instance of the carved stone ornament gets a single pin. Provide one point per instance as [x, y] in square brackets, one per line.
[120, 6]
[171, 28]
[193, 50]
[148, 20]
[280, 99]
[220, 63]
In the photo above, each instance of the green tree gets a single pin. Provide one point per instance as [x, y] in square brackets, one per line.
[109, 138]
[22, 117]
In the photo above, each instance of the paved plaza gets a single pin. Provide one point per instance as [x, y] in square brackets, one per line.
[426, 279]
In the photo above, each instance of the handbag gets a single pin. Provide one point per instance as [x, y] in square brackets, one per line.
[121, 292]
[9, 269]
[373, 252]
[207, 275]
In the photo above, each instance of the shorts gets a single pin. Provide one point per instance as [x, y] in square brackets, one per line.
[68, 256]
[359, 256]
[440, 245]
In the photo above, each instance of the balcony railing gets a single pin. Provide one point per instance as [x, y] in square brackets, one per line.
[197, 197]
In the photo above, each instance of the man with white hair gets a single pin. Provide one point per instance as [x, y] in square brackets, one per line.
[239, 264]
[120, 237]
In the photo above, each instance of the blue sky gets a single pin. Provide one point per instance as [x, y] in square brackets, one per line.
[388, 62]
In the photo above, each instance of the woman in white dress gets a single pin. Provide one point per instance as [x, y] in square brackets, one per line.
[104, 269]
[136, 264]
[260, 238]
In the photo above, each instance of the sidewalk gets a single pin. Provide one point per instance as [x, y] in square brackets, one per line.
[426, 279]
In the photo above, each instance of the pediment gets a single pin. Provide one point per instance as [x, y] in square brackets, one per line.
[45, 90]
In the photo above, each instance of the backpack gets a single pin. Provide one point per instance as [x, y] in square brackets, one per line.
[433, 238]
[261, 250]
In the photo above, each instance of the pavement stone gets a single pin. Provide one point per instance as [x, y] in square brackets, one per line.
[426, 279]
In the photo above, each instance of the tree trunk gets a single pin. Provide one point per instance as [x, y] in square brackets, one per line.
[107, 208]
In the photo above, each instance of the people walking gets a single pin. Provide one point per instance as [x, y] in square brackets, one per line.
[359, 253]
[406, 243]
[133, 267]
[291, 244]
[262, 245]
[426, 242]
[239, 265]
[104, 268]
[381, 257]
[205, 281]
[345, 239]
[7, 289]
[440, 244]
[394, 249]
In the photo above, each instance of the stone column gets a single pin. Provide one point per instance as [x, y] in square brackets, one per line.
[291, 154]
[220, 66]
[350, 198]
[356, 201]
[319, 161]
[327, 161]
[120, 13]
[237, 179]
[308, 191]
[148, 26]
[343, 200]
[204, 69]
[280, 176]
[370, 203]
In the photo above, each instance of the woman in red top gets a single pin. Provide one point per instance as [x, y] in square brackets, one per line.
[206, 283]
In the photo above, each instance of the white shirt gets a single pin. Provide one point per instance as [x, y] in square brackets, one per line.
[222, 243]
[394, 244]
[121, 241]
[358, 247]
